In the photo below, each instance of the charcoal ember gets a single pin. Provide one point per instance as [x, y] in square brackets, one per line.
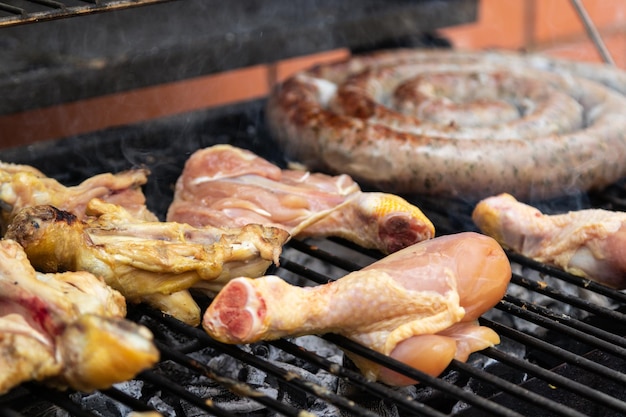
[332, 260]
[228, 401]
[106, 406]
[321, 408]
[383, 407]
[43, 409]
[530, 296]
[162, 331]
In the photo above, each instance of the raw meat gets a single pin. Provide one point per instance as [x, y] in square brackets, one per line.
[227, 186]
[589, 243]
[419, 305]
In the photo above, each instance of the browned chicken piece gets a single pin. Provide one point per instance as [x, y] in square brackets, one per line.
[67, 329]
[418, 305]
[22, 186]
[589, 243]
[152, 262]
[227, 186]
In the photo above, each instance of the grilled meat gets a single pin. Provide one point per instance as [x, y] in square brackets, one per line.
[456, 123]
[223, 185]
[22, 186]
[419, 305]
[588, 243]
[145, 261]
[67, 329]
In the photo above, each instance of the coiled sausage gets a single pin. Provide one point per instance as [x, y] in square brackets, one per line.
[455, 123]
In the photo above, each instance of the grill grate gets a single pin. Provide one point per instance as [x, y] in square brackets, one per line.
[14, 12]
[562, 353]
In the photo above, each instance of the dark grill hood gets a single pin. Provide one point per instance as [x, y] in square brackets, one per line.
[82, 56]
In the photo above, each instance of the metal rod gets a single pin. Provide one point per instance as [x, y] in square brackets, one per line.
[592, 31]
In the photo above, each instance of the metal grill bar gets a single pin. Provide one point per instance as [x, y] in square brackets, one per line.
[555, 324]
[524, 309]
[564, 355]
[60, 400]
[592, 31]
[128, 400]
[564, 276]
[376, 389]
[56, 9]
[331, 258]
[557, 380]
[231, 384]
[259, 363]
[438, 383]
[545, 289]
[49, 3]
[533, 398]
[173, 387]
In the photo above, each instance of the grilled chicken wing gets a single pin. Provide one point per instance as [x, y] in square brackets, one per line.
[418, 305]
[67, 329]
[223, 185]
[22, 186]
[152, 262]
[589, 243]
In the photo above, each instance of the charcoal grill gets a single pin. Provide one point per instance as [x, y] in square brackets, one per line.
[563, 351]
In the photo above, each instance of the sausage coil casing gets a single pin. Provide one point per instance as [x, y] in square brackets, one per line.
[454, 123]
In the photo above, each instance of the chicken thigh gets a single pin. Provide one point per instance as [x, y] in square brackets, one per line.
[227, 186]
[589, 243]
[419, 305]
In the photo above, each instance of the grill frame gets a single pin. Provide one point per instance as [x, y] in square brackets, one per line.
[513, 393]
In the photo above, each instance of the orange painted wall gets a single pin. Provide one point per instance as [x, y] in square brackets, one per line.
[550, 26]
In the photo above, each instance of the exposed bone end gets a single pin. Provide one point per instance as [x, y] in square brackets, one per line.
[488, 216]
[179, 304]
[237, 314]
[399, 231]
[400, 224]
[98, 352]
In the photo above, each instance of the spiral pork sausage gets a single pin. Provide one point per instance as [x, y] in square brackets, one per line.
[467, 124]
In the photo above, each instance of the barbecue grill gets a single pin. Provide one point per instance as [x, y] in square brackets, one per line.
[563, 351]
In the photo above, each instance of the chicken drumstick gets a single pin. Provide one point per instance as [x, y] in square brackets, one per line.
[418, 305]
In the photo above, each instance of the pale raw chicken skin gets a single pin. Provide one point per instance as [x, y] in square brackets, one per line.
[67, 329]
[24, 186]
[419, 305]
[227, 186]
[589, 243]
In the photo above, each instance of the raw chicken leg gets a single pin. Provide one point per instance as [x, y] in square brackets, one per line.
[418, 305]
[152, 262]
[227, 186]
[22, 186]
[589, 243]
[66, 328]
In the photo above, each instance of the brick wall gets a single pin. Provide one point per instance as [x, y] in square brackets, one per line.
[550, 26]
